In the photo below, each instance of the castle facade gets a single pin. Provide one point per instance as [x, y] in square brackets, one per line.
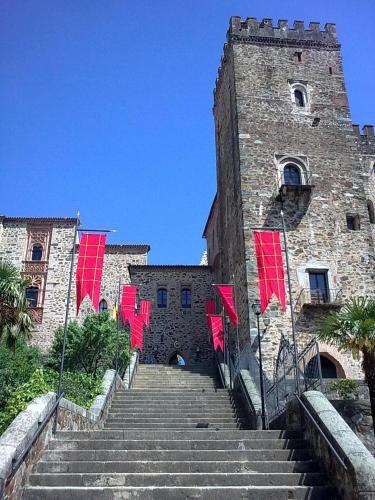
[285, 142]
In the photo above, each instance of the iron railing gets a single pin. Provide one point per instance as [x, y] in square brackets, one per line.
[132, 374]
[17, 462]
[284, 387]
[318, 297]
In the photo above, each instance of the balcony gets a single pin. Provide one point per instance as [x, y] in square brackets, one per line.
[317, 298]
[34, 266]
[289, 190]
[36, 314]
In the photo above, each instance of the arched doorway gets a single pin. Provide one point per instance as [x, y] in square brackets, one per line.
[177, 359]
[330, 368]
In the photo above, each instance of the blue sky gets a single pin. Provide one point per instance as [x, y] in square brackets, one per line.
[106, 107]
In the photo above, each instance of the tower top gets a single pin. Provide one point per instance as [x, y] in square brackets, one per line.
[263, 32]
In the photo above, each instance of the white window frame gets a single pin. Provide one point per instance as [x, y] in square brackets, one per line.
[301, 162]
[306, 93]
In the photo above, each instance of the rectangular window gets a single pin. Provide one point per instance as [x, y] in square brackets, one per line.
[352, 222]
[298, 56]
[319, 291]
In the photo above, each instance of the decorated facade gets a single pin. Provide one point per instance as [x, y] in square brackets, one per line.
[288, 158]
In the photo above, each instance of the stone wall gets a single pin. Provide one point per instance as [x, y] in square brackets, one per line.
[52, 273]
[258, 125]
[175, 329]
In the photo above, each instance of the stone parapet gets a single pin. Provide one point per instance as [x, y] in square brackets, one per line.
[21, 432]
[252, 31]
[357, 480]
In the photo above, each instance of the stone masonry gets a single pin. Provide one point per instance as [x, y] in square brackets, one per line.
[260, 128]
[174, 329]
[51, 273]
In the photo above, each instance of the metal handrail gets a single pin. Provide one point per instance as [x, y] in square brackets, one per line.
[110, 390]
[134, 370]
[220, 372]
[17, 462]
[317, 297]
[316, 425]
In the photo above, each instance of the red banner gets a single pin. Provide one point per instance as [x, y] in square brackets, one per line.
[145, 311]
[210, 309]
[216, 327]
[90, 268]
[128, 303]
[226, 295]
[270, 267]
[136, 329]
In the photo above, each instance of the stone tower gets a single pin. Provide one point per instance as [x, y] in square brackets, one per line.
[285, 140]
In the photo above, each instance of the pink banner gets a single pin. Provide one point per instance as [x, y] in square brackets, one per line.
[90, 268]
[226, 295]
[270, 268]
[128, 303]
[216, 326]
[136, 329]
[145, 311]
[210, 309]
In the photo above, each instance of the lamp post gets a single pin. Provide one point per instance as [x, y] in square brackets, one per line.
[256, 309]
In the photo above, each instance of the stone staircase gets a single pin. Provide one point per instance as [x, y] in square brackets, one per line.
[176, 435]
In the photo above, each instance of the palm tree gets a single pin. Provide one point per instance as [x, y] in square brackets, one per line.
[15, 321]
[353, 328]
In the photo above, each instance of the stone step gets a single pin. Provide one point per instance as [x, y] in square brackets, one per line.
[177, 455]
[175, 387]
[176, 413]
[192, 434]
[182, 479]
[185, 444]
[182, 493]
[193, 425]
[149, 466]
[173, 396]
[171, 407]
[169, 420]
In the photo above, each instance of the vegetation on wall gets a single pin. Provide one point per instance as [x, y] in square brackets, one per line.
[353, 329]
[91, 346]
[90, 350]
[15, 321]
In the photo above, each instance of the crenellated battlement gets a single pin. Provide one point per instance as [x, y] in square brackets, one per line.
[366, 139]
[264, 32]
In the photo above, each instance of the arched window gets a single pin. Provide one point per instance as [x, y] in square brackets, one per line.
[299, 98]
[292, 175]
[371, 211]
[37, 252]
[32, 293]
[162, 297]
[103, 306]
[186, 298]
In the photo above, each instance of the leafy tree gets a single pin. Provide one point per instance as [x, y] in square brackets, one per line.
[353, 328]
[16, 367]
[15, 321]
[91, 347]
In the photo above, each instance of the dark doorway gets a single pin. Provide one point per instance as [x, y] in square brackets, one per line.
[329, 369]
[177, 359]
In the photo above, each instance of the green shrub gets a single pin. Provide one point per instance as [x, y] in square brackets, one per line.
[79, 387]
[25, 393]
[345, 388]
[91, 347]
[16, 368]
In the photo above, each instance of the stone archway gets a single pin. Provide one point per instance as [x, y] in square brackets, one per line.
[329, 364]
[177, 359]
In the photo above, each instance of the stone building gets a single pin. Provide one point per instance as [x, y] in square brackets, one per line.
[178, 319]
[41, 248]
[285, 141]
